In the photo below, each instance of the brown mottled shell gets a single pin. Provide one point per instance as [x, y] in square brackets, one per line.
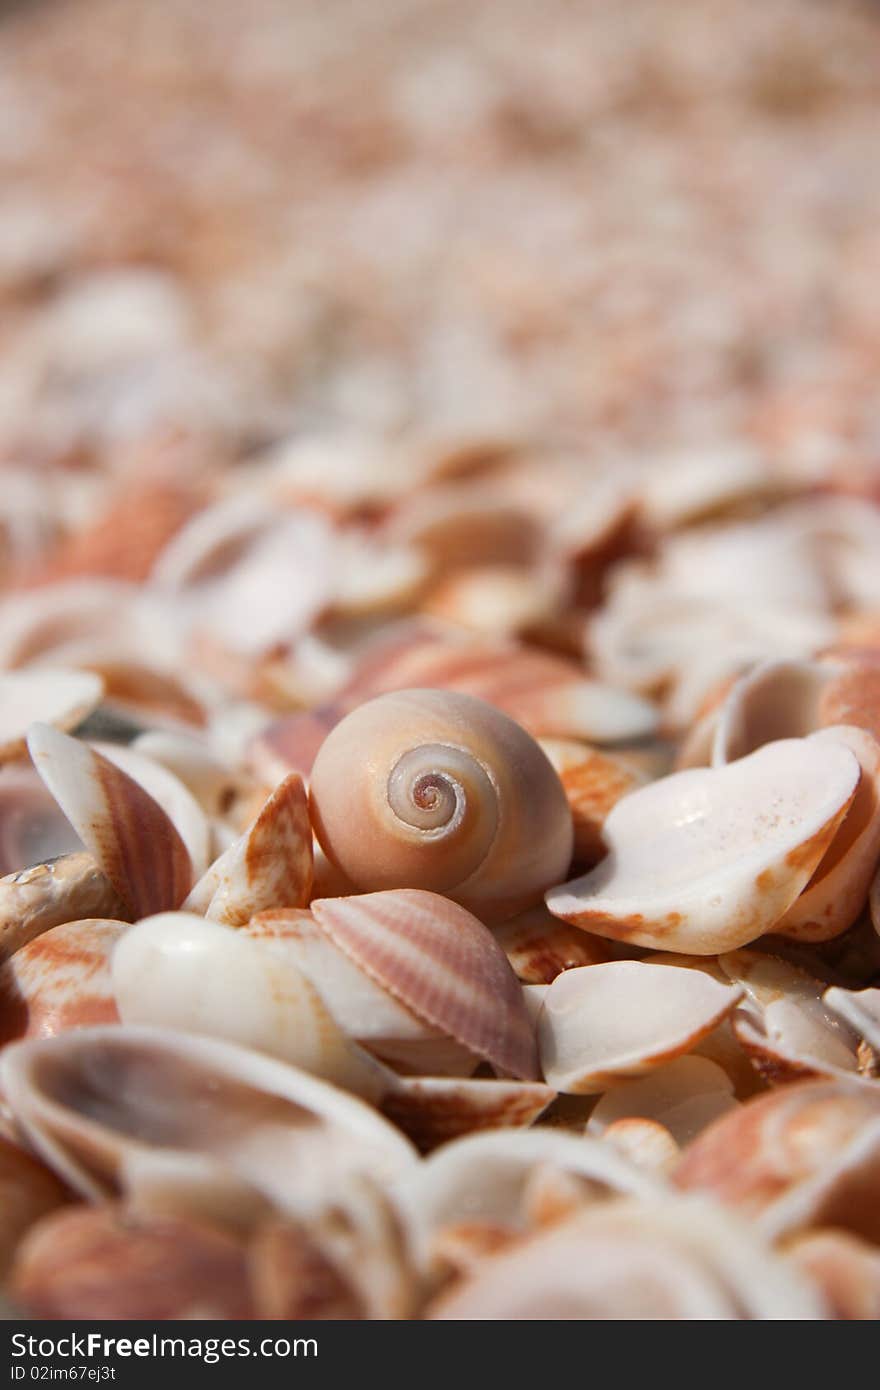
[591, 789]
[443, 964]
[270, 866]
[540, 947]
[434, 1110]
[133, 840]
[60, 980]
[106, 1262]
[28, 1191]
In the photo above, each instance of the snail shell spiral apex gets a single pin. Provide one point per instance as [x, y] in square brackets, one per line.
[441, 791]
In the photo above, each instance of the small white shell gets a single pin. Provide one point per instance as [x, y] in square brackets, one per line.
[603, 1023]
[709, 859]
[180, 971]
[860, 1009]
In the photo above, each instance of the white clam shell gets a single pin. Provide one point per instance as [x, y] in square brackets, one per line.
[177, 970]
[709, 859]
[44, 695]
[837, 892]
[775, 700]
[683, 1095]
[98, 1103]
[603, 1023]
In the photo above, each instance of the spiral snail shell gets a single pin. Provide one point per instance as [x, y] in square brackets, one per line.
[436, 790]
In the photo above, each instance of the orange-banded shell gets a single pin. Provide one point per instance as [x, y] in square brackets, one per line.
[539, 946]
[592, 788]
[443, 964]
[270, 866]
[804, 1155]
[60, 980]
[362, 1008]
[133, 840]
[604, 1023]
[548, 695]
[711, 858]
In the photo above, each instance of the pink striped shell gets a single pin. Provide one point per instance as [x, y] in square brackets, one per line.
[441, 962]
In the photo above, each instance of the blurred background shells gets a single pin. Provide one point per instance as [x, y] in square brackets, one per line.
[439, 660]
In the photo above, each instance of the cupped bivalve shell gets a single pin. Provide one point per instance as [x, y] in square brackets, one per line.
[432, 789]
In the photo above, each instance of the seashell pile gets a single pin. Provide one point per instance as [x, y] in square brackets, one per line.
[440, 818]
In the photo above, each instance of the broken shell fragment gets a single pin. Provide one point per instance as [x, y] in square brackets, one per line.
[60, 980]
[434, 1110]
[804, 1155]
[433, 789]
[50, 696]
[539, 946]
[104, 1105]
[132, 839]
[860, 1009]
[784, 1027]
[442, 964]
[68, 889]
[709, 859]
[603, 1023]
[177, 970]
[270, 866]
[646, 1142]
